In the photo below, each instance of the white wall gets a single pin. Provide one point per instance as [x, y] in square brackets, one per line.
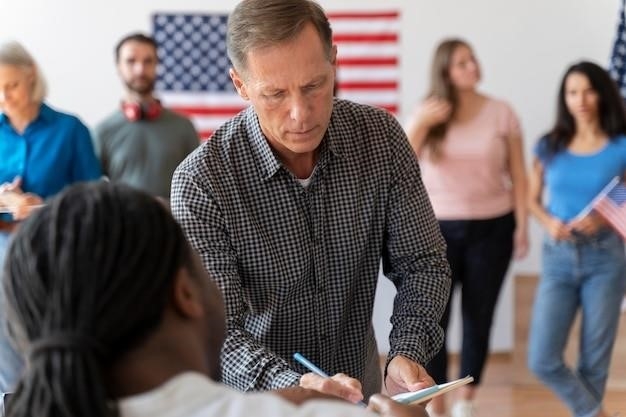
[523, 46]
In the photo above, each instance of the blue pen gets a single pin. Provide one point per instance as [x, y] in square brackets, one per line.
[315, 369]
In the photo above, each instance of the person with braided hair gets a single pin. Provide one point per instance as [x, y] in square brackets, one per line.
[119, 318]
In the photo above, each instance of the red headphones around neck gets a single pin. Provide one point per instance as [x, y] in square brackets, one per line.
[142, 111]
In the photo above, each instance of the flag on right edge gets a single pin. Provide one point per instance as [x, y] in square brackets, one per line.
[617, 66]
[612, 207]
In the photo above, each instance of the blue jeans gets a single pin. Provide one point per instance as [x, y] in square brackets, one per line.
[587, 274]
[11, 362]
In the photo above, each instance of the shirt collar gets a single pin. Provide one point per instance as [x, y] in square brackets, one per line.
[45, 113]
[269, 163]
[333, 134]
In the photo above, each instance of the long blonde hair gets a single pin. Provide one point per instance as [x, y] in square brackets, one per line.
[441, 87]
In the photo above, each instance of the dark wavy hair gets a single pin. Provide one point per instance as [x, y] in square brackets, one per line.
[611, 111]
[87, 279]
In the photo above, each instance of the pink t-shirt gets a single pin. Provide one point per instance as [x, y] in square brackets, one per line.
[471, 179]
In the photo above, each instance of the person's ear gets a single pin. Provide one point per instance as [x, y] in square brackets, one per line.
[186, 295]
[333, 56]
[239, 84]
[333, 62]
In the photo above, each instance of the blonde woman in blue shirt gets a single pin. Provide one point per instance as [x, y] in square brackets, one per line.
[583, 266]
[41, 151]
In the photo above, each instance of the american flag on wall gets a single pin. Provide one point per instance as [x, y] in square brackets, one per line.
[193, 75]
[368, 51]
[617, 65]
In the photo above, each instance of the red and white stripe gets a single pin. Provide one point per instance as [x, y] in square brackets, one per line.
[368, 51]
[613, 214]
[207, 111]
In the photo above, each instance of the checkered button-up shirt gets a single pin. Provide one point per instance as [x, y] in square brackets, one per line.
[298, 266]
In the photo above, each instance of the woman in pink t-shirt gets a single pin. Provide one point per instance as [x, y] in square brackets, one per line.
[471, 156]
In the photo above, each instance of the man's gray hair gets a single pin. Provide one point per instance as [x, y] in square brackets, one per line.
[14, 54]
[260, 23]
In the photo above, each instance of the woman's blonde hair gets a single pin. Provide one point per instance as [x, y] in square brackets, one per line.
[14, 54]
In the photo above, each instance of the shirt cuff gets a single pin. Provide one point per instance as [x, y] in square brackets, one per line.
[286, 379]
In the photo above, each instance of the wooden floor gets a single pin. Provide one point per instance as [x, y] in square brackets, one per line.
[501, 396]
[510, 390]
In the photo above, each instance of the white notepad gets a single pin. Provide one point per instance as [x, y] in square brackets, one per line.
[430, 392]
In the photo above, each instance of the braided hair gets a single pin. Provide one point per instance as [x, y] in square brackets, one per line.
[87, 279]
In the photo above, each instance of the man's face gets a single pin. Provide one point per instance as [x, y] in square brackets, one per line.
[290, 86]
[137, 66]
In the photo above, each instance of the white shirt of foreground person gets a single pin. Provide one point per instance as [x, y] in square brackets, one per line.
[192, 394]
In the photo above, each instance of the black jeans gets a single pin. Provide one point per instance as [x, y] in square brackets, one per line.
[479, 253]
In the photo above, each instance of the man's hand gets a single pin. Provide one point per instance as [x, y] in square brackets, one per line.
[387, 407]
[339, 385]
[405, 375]
[380, 404]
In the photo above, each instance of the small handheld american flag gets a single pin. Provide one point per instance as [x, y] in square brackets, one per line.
[610, 203]
[612, 206]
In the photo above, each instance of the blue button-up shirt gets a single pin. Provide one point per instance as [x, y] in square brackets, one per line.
[55, 150]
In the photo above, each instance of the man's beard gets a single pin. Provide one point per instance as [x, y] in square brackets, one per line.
[142, 89]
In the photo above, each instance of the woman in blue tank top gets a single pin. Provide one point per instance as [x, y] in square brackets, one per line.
[583, 265]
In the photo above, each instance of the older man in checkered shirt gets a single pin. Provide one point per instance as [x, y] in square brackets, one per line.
[293, 203]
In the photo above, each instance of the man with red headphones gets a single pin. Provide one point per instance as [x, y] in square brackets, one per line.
[142, 142]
